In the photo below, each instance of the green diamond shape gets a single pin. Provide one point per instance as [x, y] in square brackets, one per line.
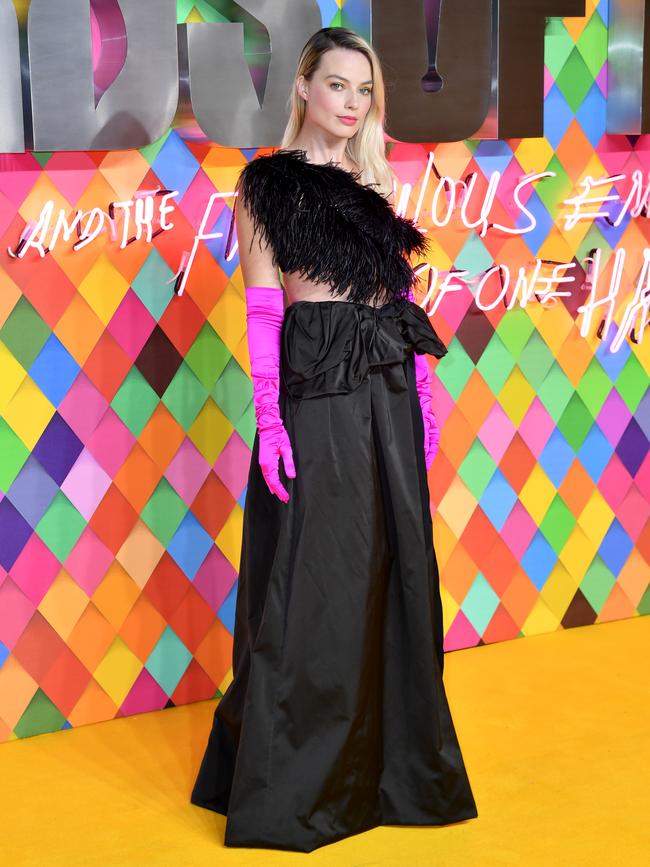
[592, 45]
[554, 190]
[535, 360]
[594, 387]
[246, 426]
[597, 583]
[454, 368]
[151, 151]
[477, 468]
[496, 363]
[557, 524]
[575, 421]
[644, 603]
[135, 401]
[183, 9]
[185, 396]
[480, 603]
[168, 661]
[164, 512]
[515, 329]
[14, 454]
[555, 392]
[151, 284]
[42, 157]
[632, 382]
[39, 717]
[208, 356]
[24, 333]
[575, 80]
[474, 257]
[558, 45]
[61, 526]
[233, 391]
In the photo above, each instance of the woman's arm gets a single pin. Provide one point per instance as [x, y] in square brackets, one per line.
[256, 259]
[264, 317]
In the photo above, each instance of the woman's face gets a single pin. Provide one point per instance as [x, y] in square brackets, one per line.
[339, 89]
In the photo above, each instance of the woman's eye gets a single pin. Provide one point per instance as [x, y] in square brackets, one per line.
[338, 84]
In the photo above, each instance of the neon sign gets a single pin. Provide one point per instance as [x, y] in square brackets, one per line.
[146, 216]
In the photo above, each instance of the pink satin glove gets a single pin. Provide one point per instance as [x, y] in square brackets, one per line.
[423, 379]
[264, 315]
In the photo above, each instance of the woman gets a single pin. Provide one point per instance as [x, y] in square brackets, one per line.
[336, 720]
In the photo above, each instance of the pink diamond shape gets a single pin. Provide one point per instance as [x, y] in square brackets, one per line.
[633, 512]
[110, 442]
[18, 174]
[35, 569]
[187, 471]
[88, 561]
[614, 482]
[518, 530]
[16, 611]
[71, 172]
[83, 406]
[215, 578]
[536, 427]
[86, 484]
[196, 198]
[233, 464]
[496, 432]
[613, 417]
[131, 324]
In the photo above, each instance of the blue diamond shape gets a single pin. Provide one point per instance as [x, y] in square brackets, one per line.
[54, 370]
[498, 499]
[595, 452]
[615, 547]
[175, 165]
[557, 116]
[189, 545]
[539, 559]
[556, 457]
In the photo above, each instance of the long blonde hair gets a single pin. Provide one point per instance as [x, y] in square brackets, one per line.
[366, 148]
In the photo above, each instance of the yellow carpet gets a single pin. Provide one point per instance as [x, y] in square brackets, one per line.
[554, 729]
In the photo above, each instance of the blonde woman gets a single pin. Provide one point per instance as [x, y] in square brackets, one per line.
[336, 720]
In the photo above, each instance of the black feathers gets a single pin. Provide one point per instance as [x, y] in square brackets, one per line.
[321, 222]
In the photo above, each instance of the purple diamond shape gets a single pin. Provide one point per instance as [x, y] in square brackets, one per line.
[58, 448]
[632, 447]
[14, 533]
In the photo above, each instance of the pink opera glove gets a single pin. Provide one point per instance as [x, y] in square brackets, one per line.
[423, 380]
[264, 315]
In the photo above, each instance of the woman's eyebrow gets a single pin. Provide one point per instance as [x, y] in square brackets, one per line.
[334, 75]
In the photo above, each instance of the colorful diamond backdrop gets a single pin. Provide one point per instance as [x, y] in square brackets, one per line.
[126, 420]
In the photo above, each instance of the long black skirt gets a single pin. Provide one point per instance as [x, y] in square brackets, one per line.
[336, 720]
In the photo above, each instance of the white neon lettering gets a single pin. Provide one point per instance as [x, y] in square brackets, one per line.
[640, 304]
[143, 217]
[126, 208]
[165, 209]
[592, 303]
[587, 184]
[88, 233]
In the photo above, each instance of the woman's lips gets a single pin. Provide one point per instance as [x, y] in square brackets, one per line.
[348, 120]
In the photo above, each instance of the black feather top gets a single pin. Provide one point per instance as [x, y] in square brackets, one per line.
[320, 221]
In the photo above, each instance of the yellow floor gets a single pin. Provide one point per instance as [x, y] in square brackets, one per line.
[555, 731]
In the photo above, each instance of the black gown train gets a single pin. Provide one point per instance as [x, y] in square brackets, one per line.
[336, 720]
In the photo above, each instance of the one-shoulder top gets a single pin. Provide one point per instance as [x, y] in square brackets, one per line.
[320, 221]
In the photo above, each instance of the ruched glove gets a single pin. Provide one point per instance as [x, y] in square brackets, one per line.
[264, 315]
[424, 378]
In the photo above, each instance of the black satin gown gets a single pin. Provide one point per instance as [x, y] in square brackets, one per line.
[336, 720]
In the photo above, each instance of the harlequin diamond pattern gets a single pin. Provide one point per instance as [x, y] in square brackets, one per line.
[126, 420]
